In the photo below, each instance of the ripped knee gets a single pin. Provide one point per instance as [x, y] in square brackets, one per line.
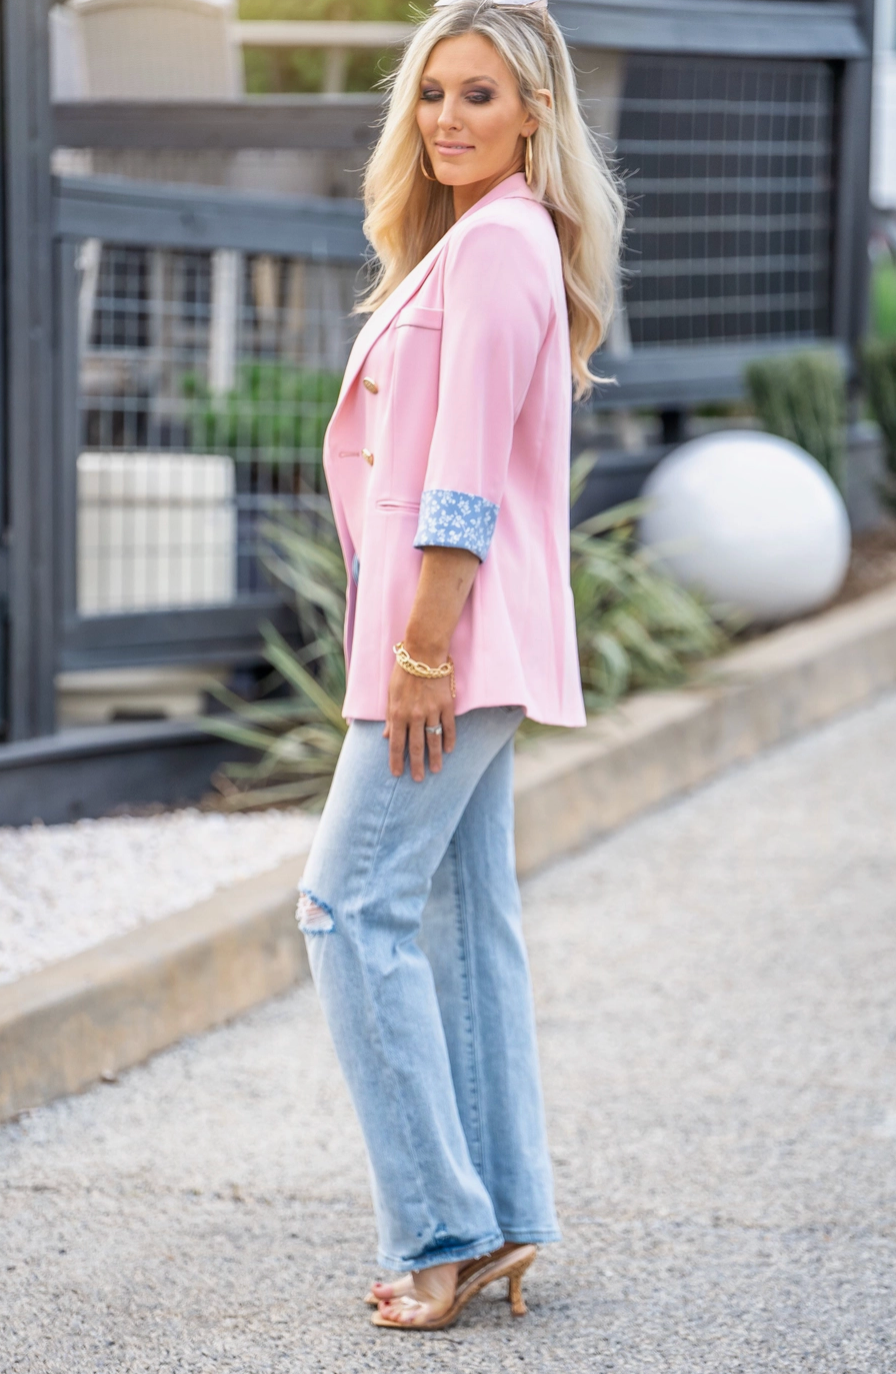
[313, 915]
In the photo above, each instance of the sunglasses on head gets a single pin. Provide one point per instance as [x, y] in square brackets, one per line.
[504, 4]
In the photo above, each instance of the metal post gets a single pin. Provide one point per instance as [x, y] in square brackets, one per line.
[853, 222]
[861, 261]
[28, 368]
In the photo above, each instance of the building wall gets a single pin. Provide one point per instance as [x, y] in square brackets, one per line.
[883, 127]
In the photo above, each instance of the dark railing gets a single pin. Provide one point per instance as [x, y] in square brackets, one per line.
[202, 337]
[199, 331]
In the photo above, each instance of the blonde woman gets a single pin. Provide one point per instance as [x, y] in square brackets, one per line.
[496, 225]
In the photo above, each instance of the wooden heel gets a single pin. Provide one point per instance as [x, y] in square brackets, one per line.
[515, 1297]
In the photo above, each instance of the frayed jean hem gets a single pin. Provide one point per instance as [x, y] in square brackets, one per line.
[455, 1254]
[522, 1236]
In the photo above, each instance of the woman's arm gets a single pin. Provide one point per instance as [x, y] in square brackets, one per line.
[414, 702]
[497, 312]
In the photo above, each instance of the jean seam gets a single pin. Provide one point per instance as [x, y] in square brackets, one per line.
[461, 910]
[418, 1177]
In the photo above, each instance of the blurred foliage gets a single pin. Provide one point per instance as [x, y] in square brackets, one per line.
[883, 298]
[298, 733]
[276, 413]
[802, 397]
[398, 11]
[282, 71]
[879, 374]
[637, 628]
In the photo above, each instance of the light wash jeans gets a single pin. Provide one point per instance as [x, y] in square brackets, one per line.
[412, 915]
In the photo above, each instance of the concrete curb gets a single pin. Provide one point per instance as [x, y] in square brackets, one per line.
[110, 1007]
[574, 788]
[85, 1018]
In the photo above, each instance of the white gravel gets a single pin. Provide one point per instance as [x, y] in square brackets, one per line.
[64, 888]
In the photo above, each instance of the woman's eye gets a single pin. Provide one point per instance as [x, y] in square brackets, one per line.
[431, 94]
[480, 97]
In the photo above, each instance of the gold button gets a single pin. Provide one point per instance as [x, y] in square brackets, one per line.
[365, 453]
[371, 385]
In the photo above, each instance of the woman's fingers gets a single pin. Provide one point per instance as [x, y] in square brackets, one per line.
[416, 709]
[449, 732]
[416, 748]
[434, 744]
[397, 737]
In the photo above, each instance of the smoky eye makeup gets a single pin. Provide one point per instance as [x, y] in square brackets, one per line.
[478, 95]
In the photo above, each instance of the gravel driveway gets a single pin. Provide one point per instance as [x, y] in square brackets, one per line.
[715, 988]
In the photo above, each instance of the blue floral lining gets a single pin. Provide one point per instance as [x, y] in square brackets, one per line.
[456, 520]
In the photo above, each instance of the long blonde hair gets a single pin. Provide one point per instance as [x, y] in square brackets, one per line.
[406, 214]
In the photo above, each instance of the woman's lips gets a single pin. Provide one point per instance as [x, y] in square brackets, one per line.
[453, 149]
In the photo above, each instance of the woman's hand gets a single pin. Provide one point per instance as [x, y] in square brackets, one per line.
[446, 576]
[414, 704]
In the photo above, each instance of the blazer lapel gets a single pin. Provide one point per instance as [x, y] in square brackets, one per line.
[383, 316]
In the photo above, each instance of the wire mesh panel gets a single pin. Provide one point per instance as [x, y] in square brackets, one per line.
[206, 384]
[729, 172]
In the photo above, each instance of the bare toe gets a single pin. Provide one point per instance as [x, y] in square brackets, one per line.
[386, 1292]
[405, 1310]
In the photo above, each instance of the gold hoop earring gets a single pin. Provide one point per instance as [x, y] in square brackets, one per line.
[423, 168]
[528, 162]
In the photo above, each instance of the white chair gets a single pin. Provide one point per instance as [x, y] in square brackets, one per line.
[160, 49]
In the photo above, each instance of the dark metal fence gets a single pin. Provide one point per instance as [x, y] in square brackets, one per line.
[199, 381]
[168, 388]
[206, 381]
[729, 169]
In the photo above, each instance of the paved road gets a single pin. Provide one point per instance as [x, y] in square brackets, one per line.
[715, 988]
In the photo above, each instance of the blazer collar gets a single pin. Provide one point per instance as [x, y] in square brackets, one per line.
[382, 317]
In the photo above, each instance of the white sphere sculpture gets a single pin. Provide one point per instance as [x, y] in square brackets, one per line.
[750, 520]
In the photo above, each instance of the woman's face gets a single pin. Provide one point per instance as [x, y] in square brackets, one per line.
[471, 117]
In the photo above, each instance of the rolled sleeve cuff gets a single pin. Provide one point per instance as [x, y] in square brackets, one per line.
[456, 520]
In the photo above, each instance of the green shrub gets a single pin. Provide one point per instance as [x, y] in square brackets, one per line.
[276, 413]
[883, 299]
[802, 397]
[879, 373]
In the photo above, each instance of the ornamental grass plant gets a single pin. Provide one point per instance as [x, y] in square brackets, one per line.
[802, 397]
[296, 727]
[637, 628]
[879, 374]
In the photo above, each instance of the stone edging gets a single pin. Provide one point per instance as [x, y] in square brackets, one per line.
[110, 1007]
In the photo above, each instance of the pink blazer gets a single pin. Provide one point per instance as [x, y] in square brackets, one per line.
[452, 428]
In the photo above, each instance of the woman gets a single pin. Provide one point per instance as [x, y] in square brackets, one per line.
[496, 225]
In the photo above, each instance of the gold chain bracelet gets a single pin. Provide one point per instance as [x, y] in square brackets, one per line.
[417, 669]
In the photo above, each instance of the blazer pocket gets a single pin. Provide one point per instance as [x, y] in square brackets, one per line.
[390, 507]
[414, 399]
[419, 316]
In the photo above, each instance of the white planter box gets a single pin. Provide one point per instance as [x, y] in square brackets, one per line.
[155, 530]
